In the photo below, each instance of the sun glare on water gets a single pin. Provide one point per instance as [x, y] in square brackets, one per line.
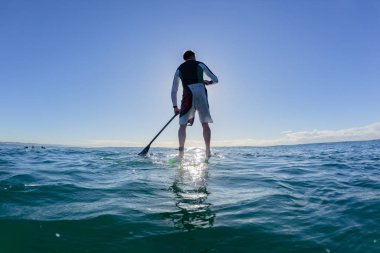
[190, 189]
[194, 164]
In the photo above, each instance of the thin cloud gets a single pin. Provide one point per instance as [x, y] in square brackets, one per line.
[369, 132]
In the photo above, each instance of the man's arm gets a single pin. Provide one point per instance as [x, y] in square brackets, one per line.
[174, 91]
[208, 72]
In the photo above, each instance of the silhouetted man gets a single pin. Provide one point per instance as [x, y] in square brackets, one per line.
[194, 97]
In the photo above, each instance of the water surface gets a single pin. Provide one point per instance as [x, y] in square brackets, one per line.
[303, 198]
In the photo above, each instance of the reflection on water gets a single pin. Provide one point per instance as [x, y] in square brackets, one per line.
[190, 189]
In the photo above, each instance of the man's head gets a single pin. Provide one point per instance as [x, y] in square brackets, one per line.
[189, 55]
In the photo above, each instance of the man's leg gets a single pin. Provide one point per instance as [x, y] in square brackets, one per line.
[207, 138]
[181, 138]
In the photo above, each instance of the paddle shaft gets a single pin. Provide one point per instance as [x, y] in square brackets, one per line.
[155, 137]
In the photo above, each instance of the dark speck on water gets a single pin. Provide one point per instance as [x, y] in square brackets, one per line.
[306, 198]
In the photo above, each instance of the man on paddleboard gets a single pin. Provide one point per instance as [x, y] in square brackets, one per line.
[194, 97]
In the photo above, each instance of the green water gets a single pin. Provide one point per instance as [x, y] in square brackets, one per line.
[304, 198]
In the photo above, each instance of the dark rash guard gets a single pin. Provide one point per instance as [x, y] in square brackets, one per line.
[189, 72]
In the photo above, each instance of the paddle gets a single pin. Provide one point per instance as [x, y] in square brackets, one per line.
[146, 149]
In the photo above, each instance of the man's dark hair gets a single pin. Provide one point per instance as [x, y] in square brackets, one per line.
[188, 54]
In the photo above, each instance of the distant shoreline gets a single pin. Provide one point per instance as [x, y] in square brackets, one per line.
[38, 145]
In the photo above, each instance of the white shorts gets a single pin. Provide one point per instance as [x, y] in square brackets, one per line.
[199, 103]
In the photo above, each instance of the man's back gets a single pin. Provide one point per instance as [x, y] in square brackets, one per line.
[190, 72]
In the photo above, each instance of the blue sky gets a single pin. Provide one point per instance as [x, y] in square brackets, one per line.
[100, 72]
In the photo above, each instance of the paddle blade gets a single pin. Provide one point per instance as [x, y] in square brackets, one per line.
[145, 151]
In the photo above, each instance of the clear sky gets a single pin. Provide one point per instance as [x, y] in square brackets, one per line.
[99, 73]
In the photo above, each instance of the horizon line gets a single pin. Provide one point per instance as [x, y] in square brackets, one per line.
[189, 146]
[370, 132]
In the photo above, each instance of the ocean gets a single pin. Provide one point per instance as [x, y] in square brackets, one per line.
[305, 198]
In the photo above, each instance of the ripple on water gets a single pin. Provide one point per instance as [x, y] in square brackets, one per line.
[305, 198]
